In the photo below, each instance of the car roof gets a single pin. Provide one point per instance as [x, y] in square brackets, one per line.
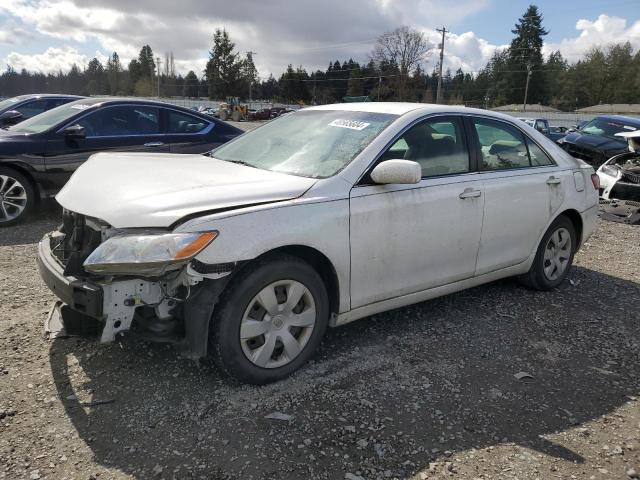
[45, 95]
[402, 108]
[621, 118]
[94, 101]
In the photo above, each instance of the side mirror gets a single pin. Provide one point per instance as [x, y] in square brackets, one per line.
[397, 171]
[10, 117]
[75, 131]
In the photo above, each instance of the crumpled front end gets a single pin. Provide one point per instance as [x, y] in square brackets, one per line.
[169, 301]
[620, 188]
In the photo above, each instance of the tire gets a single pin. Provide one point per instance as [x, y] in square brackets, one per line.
[17, 196]
[260, 359]
[544, 273]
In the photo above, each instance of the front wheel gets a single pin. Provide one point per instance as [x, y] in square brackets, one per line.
[554, 256]
[17, 196]
[270, 321]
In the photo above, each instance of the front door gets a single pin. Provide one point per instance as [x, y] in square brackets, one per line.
[518, 181]
[409, 238]
[130, 128]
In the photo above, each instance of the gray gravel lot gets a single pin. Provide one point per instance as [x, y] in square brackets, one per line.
[421, 392]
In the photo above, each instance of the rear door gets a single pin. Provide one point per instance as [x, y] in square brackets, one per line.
[522, 190]
[131, 128]
[190, 133]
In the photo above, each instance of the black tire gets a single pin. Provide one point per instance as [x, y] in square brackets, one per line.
[224, 334]
[536, 278]
[28, 190]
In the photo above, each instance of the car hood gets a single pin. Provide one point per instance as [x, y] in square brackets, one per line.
[595, 141]
[155, 190]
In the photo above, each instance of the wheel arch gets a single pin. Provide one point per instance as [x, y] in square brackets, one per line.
[320, 263]
[577, 222]
[27, 174]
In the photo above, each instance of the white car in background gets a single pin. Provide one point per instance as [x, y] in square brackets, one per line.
[322, 217]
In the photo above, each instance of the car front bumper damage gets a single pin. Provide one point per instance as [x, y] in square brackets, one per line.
[106, 307]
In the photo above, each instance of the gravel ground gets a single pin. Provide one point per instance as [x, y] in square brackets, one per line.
[428, 391]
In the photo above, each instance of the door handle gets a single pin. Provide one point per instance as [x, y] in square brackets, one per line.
[154, 144]
[470, 193]
[553, 180]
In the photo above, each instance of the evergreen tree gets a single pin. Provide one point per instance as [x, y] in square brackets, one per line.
[525, 52]
[114, 74]
[191, 83]
[354, 88]
[223, 67]
[95, 78]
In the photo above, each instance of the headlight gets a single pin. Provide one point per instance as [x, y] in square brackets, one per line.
[609, 170]
[148, 254]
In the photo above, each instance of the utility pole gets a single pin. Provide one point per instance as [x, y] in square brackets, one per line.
[439, 92]
[158, 70]
[315, 81]
[250, 55]
[526, 88]
[379, 87]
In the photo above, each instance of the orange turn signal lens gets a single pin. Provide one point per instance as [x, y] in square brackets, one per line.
[196, 246]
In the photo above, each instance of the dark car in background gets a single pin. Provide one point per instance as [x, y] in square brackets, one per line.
[17, 109]
[596, 141]
[38, 156]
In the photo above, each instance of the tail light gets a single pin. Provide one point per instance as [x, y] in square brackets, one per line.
[595, 179]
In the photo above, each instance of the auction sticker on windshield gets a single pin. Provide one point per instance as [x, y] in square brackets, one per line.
[352, 124]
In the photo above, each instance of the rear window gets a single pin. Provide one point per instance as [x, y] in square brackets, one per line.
[183, 123]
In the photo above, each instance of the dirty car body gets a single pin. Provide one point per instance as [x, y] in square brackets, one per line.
[316, 219]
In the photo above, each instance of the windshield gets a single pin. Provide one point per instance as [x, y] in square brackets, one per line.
[312, 143]
[606, 127]
[8, 102]
[50, 118]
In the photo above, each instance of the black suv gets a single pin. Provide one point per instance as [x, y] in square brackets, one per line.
[38, 156]
[17, 109]
[596, 141]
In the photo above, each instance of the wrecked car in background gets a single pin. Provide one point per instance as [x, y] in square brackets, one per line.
[597, 141]
[620, 183]
[318, 218]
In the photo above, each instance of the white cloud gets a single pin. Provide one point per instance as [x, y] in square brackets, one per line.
[602, 32]
[52, 60]
[308, 32]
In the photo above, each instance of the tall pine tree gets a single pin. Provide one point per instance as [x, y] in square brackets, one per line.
[525, 52]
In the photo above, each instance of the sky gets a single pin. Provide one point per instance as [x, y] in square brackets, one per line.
[48, 35]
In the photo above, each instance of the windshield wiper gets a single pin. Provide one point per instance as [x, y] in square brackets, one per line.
[240, 162]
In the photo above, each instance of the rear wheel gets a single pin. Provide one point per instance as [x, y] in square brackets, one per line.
[17, 196]
[270, 321]
[554, 256]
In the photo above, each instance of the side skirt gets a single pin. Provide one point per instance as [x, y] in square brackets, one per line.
[417, 297]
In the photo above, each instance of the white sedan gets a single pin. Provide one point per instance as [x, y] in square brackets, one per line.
[324, 216]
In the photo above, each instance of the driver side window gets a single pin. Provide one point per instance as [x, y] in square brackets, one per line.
[437, 144]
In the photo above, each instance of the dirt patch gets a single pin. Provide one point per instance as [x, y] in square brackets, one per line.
[426, 391]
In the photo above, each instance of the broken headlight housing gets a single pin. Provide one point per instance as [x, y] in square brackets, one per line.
[146, 254]
[610, 170]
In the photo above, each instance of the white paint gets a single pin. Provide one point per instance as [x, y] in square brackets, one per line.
[390, 245]
[397, 171]
[155, 190]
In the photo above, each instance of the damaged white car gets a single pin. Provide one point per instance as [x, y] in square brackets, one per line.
[316, 219]
[620, 183]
